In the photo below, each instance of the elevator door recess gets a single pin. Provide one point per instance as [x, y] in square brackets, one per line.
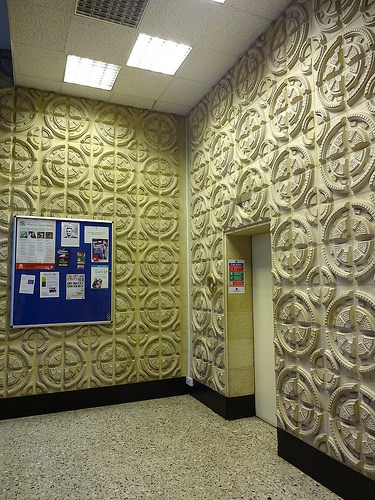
[264, 358]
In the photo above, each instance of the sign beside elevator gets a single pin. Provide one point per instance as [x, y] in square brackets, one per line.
[236, 276]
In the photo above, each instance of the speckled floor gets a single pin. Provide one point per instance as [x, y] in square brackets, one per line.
[173, 448]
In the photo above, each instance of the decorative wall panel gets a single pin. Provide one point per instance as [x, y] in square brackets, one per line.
[61, 156]
[288, 137]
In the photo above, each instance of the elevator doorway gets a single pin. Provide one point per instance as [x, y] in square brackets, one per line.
[264, 358]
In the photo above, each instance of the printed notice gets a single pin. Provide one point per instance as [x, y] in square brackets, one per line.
[75, 286]
[35, 243]
[236, 276]
[99, 250]
[49, 285]
[96, 232]
[27, 283]
[99, 277]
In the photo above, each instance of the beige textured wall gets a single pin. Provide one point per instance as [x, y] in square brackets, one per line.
[288, 135]
[67, 157]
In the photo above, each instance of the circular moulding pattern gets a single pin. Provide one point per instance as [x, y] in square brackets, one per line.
[18, 111]
[348, 237]
[160, 132]
[121, 209]
[318, 204]
[293, 253]
[198, 123]
[200, 263]
[299, 401]
[247, 75]
[370, 94]
[17, 370]
[329, 18]
[289, 106]
[159, 176]
[124, 311]
[220, 102]
[159, 264]
[115, 171]
[199, 215]
[201, 360]
[159, 310]
[217, 258]
[291, 176]
[251, 193]
[159, 219]
[325, 370]
[347, 153]
[221, 205]
[286, 39]
[65, 166]
[66, 118]
[17, 159]
[321, 285]
[345, 68]
[160, 357]
[327, 445]
[221, 154]
[114, 361]
[200, 313]
[62, 366]
[295, 323]
[353, 425]
[198, 172]
[250, 134]
[115, 125]
[350, 320]
[124, 262]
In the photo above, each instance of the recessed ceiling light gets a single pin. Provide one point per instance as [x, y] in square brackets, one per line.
[83, 71]
[156, 54]
[219, 1]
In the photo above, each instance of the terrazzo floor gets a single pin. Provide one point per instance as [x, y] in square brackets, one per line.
[173, 448]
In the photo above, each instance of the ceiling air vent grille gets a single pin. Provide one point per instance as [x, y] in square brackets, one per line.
[124, 12]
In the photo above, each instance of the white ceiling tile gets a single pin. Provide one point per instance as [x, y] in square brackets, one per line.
[65, 5]
[85, 92]
[141, 83]
[235, 31]
[38, 62]
[171, 107]
[185, 92]
[36, 25]
[100, 40]
[205, 65]
[182, 21]
[270, 10]
[38, 83]
[131, 100]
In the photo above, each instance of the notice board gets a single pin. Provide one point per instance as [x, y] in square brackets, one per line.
[61, 271]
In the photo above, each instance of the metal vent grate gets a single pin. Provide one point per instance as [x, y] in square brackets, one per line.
[124, 12]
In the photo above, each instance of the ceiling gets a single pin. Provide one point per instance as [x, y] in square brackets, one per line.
[44, 32]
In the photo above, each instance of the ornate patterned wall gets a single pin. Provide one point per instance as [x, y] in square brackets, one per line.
[67, 157]
[288, 135]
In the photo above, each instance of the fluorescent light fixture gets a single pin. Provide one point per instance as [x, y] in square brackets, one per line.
[219, 1]
[83, 71]
[156, 54]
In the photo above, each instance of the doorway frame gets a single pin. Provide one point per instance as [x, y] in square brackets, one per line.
[240, 372]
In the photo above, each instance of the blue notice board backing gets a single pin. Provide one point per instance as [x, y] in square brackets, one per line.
[61, 271]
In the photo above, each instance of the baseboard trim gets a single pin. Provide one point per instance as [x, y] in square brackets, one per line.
[228, 408]
[342, 480]
[39, 404]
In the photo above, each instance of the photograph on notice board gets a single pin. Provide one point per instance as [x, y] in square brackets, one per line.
[70, 234]
[81, 260]
[99, 250]
[99, 277]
